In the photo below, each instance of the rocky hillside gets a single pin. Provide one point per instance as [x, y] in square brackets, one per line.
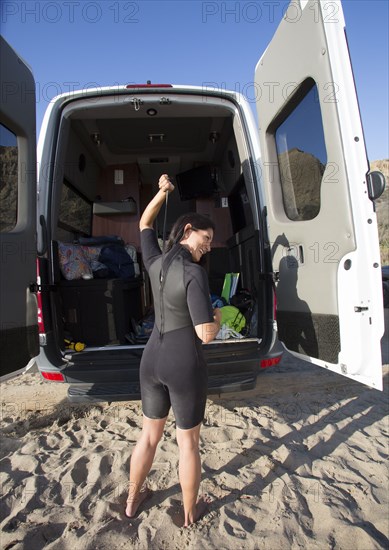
[301, 175]
[382, 208]
[8, 187]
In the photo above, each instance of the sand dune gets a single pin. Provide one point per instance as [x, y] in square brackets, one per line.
[300, 462]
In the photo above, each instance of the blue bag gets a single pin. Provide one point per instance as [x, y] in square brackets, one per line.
[117, 261]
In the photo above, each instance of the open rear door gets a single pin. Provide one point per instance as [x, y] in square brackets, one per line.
[18, 307]
[322, 224]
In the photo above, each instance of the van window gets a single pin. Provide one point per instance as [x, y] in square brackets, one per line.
[75, 211]
[8, 179]
[302, 154]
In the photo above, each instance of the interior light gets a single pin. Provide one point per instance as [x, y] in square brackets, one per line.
[151, 112]
[96, 138]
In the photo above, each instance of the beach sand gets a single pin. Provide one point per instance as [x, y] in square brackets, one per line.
[299, 462]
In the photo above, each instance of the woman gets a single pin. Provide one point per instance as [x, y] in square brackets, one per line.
[173, 371]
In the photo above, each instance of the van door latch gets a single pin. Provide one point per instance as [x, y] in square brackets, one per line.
[34, 288]
[359, 309]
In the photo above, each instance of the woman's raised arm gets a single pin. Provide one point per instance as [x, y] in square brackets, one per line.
[152, 209]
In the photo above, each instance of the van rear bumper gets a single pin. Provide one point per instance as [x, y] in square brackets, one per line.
[232, 368]
[81, 393]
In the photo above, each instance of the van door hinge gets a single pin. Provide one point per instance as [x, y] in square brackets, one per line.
[136, 102]
[272, 276]
[358, 309]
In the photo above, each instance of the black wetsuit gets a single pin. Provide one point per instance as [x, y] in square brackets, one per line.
[173, 371]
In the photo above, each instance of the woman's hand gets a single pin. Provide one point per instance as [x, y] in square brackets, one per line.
[165, 184]
[217, 315]
[152, 209]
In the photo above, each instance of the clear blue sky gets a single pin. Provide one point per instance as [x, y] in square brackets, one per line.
[72, 44]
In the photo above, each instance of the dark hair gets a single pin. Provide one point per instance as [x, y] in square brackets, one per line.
[197, 221]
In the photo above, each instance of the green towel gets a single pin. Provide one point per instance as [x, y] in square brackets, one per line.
[230, 285]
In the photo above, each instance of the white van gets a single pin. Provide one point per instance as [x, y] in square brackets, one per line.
[293, 204]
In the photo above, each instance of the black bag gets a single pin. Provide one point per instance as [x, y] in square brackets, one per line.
[245, 302]
[118, 262]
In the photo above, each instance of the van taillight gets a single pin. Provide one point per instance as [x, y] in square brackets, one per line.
[56, 376]
[41, 324]
[270, 362]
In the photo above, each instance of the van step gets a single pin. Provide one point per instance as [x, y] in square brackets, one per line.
[88, 393]
[231, 383]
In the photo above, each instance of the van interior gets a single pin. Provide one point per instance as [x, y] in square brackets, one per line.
[110, 154]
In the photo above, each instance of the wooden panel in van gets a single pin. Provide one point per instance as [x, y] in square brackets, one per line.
[220, 216]
[124, 225]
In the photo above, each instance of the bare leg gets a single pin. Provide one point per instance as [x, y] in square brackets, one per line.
[190, 474]
[142, 460]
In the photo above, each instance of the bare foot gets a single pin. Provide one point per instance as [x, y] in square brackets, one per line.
[202, 507]
[133, 505]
